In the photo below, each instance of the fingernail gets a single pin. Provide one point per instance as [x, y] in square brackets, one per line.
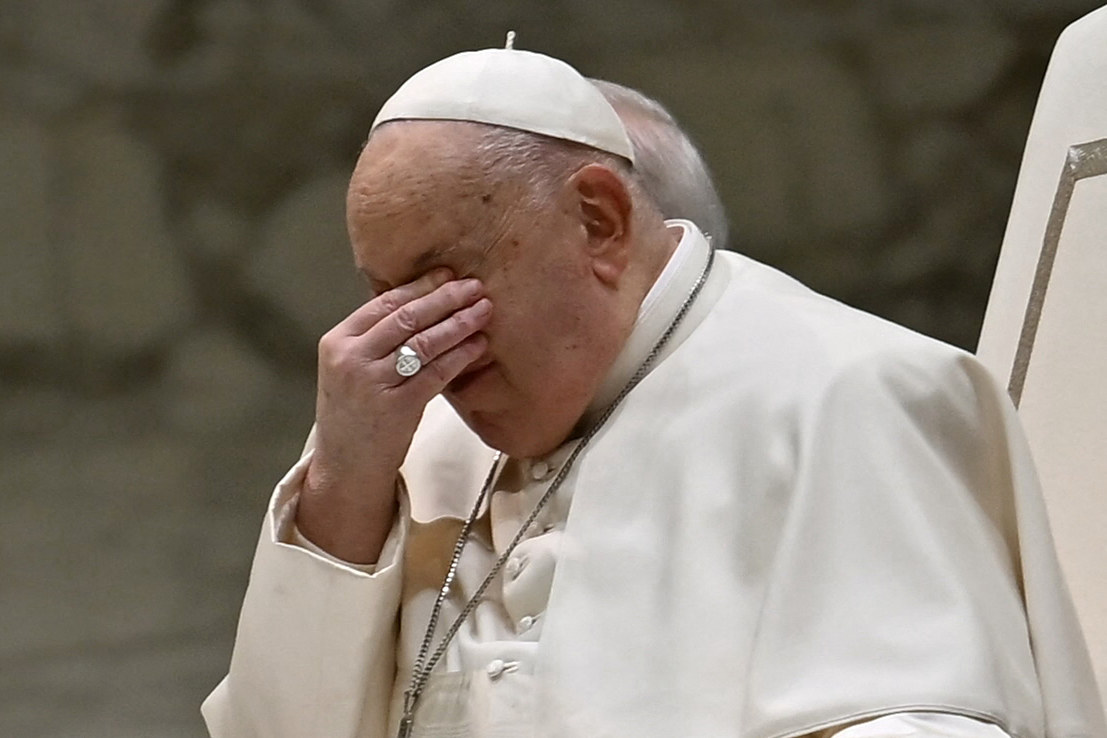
[442, 275]
[473, 286]
[483, 306]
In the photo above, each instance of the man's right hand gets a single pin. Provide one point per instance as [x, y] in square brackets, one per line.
[366, 413]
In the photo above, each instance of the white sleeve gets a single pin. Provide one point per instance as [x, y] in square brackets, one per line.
[296, 538]
[315, 650]
[920, 725]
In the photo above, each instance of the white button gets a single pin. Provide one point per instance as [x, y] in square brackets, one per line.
[495, 669]
[525, 623]
[539, 470]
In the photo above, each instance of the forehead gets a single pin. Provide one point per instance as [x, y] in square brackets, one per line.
[418, 198]
[408, 164]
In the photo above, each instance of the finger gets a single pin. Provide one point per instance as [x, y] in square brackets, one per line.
[416, 316]
[438, 339]
[386, 303]
[443, 336]
[434, 377]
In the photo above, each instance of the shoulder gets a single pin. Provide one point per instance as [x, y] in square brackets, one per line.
[769, 325]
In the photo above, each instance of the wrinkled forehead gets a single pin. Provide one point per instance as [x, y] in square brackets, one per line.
[413, 165]
[417, 191]
[407, 148]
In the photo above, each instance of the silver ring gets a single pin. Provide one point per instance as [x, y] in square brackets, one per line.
[408, 362]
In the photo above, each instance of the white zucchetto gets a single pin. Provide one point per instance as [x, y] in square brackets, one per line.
[515, 89]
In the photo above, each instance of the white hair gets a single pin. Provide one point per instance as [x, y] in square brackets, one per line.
[542, 163]
[668, 165]
[668, 176]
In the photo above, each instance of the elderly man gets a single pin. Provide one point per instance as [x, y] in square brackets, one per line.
[574, 473]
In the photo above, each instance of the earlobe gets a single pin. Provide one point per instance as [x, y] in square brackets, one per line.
[605, 211]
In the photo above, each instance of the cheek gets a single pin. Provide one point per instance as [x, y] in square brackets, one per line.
[540, 307]
[539, 332]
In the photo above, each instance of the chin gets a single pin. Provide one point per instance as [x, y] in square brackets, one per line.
[489, 428]
[516, 439]
[502, 417]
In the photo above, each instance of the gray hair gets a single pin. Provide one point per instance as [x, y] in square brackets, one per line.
[539, 162]
[534, 165]
[668, 165]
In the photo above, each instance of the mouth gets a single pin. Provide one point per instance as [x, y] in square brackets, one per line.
[469, 377]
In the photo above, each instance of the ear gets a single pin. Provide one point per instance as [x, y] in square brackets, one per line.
[603, 205]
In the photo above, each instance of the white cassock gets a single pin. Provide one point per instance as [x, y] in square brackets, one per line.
[803, 519]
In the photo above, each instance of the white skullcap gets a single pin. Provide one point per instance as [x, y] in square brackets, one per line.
[512, 88]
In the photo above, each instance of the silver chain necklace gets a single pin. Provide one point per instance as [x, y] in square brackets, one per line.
[423, 665]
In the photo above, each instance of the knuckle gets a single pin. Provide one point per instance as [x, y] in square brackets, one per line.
[337, 356]
[329, 349]
[421, 344]
[464, 321]
[458, 292]
[441, 371]
[407, 318]
[389, 302]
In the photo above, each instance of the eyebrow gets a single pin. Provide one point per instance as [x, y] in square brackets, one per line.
[430, 257]
[419, 266]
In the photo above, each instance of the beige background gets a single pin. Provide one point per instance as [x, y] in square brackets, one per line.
[171, 181]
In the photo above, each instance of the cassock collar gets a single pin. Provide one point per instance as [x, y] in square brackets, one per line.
[656, 312]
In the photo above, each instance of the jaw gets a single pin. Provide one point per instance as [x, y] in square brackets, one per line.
[511, 431]
[487, 426]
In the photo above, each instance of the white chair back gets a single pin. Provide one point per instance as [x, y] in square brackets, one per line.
[1045, 331]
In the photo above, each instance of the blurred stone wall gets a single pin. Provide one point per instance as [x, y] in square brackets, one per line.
[172, 244]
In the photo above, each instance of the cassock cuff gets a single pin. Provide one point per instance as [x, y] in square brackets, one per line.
[282, 520]
[920, 725]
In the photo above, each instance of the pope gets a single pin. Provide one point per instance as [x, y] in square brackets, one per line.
[575, 472]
